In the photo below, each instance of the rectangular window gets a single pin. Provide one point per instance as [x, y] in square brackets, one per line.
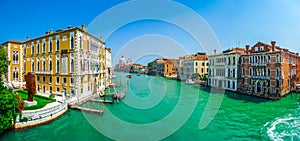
[50, 89]
[261, 48]
[65, 80]
[233, 72]
[57, 89]
[50, 79]
[44, 79]
[57, 80]
[233, 60]
[64, 65]
[57, 64]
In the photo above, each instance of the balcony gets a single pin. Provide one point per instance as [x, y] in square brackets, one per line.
[259, 77]
[258, 64]
[44, 72]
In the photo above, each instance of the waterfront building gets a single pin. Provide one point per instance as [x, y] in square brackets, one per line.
[197, 64]
[165, 67]
[108, 67]
[268, 71]
[14, 77]
[180, 65]
[69, 61]
[224, 69]
[124, 65]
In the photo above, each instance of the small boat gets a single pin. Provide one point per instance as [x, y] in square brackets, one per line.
[129, 76]
[189, 81]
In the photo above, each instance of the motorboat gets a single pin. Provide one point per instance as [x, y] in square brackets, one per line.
[189, 81]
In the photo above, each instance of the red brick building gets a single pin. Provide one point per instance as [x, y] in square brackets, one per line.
[268, 71]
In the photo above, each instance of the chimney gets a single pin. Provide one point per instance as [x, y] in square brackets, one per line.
[83, 27]
[50, 31]
[101, 39]
[297, 54]
[247, 49]
[27, 38]
[215, 51]
[69, 27]
[46, 32]
[273, 45]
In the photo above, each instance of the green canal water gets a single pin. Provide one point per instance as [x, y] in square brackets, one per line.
[158, 108]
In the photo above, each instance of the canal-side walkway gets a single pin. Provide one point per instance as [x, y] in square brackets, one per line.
[32, 118]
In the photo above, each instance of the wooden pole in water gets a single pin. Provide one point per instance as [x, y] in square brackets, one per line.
[92, 105]
[101, 108]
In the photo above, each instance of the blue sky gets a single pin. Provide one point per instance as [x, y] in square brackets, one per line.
[234, 22]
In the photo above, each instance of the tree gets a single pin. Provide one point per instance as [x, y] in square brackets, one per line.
[195, 76]
[150, 64]
[8, 105]
[8, 100]
[3, 65]
[203, 77]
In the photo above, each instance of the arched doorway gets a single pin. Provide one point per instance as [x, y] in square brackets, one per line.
[258, 87]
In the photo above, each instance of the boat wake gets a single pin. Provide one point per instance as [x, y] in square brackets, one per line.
[284, 128]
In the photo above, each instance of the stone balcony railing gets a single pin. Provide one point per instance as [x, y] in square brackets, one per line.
[258, 64]
[43, 72]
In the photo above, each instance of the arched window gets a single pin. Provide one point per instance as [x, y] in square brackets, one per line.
[32, 48]
[269, 72]
[72, 63]
[277, 58]
[15, 74]
[32, 65]
[44, 47]
[277, 72]
[80, 41]
[38, 48]
[72, 41]
[38, 66]
[15, 57]
[57, 43]
[50, 44]
[50, 65]
[44, 65]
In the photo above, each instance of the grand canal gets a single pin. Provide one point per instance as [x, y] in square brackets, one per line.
[238, 118]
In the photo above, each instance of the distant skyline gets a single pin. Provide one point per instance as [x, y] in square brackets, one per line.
[234, 22]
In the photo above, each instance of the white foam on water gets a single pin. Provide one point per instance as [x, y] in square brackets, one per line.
[284, 128]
